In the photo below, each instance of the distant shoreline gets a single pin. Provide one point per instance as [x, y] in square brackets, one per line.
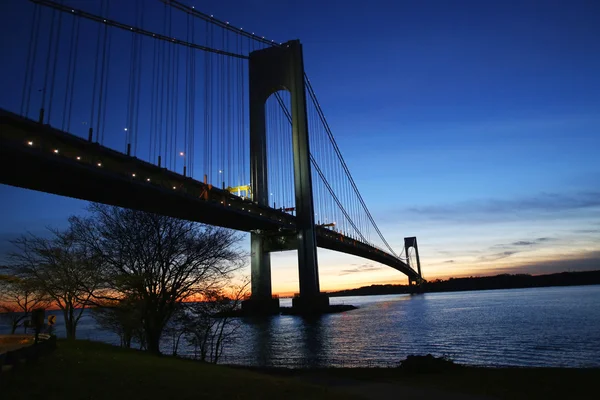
[497, 282]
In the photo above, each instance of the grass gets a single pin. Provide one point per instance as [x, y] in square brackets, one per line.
[90, 370]
[96, 371]
[503, 383]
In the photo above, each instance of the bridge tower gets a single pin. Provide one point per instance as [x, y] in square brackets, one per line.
[408, 243]
[270, 70]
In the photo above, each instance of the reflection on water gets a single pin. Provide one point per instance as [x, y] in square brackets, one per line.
[313, 342]
[520, 327]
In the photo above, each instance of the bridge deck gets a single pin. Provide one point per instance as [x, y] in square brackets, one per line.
[39, 157]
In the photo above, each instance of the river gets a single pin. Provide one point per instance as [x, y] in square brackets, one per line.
[550, 327]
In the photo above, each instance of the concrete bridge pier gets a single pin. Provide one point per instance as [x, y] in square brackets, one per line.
[262, 301]
[415, 286]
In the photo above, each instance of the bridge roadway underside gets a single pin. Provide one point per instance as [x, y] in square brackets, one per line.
[106, 176]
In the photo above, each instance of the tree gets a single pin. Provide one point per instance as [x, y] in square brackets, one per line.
[209, 325]
[159, 260]
[177, 327]
[122, 317]
[17, 299]
[60, 268]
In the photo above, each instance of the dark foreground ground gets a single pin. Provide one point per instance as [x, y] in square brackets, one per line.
[89, 370]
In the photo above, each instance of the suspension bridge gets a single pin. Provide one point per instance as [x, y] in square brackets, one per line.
[157, 106]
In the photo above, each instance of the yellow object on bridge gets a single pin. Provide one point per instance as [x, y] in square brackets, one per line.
[329, 225]
[238, 190]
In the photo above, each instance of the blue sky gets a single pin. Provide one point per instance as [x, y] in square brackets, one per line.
[474, 125]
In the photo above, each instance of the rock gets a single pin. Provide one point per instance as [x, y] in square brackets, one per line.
[427, 364]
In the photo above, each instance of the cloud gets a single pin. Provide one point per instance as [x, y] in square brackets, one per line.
[361, 268]
[530, 242]
[511, 248]
[588, 261]
[497, 256]
[490, 209]
[522, 243]
[586, 231]
[448, 261]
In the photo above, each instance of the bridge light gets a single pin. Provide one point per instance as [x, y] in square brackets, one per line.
[125, 129]
[99, 164]
[78, 158]
[30, 143]
[148, 179]
[56, 151]
[174, 188]
[133, 175]
[181, 153]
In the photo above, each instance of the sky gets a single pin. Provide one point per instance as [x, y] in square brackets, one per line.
[473, 125]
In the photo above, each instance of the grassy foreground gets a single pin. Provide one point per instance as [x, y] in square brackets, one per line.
[499, 383]
[91, 370]
[96, 371]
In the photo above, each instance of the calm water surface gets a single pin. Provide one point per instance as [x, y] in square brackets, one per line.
[519, 327]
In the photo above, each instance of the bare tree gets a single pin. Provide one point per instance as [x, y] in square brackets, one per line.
[210, 324]
[122, 317]
[177, 326]
[17, 299]
[60, 268]
[159, 260]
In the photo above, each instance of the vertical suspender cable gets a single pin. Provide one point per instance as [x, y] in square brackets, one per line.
[102, 76]
[186, 114]
[37, 22]
[73, 74]
[243, 113]
[176, 113]
[104, 92]
[69, 72]
[138, 75]
[96, 64]
[223, 105]
[48, 54]
[153, 95]
[56, 48]
[128, 118]
[29, 66]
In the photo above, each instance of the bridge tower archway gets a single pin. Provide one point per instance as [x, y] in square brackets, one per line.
[270, 70]
[411, 242]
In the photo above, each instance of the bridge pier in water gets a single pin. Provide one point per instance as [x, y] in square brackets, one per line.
[415, 285]
[270, 70]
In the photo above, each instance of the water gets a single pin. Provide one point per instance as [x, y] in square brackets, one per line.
[551, 327]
